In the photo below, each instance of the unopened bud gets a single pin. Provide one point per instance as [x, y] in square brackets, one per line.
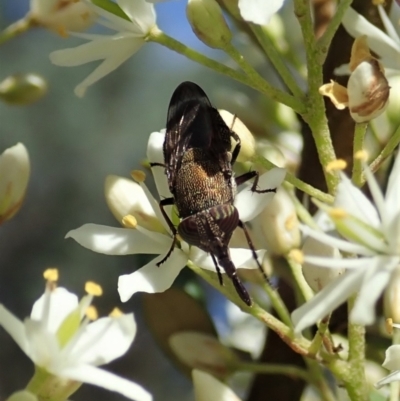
[247, 141]
[62, 16]
[22, 89]
[319, 277]
[203, 351]
[127, 198]
[280, 225]
[367, 91]
[14, 176]
[391, 297]
[208, 23]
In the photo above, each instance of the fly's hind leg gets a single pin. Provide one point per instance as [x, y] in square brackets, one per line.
[168, 202]
[248, 176]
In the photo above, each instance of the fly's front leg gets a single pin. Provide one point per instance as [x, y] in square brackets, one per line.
[168, 202]
[248, 176]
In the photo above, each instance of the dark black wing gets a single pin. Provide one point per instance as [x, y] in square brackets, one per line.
[192, 123]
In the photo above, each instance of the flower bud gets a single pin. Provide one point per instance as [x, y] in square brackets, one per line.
[319, 277]
[22, 89]
[367, 91]
[203, 351]
[125, 197]
[280, 225]
[391, 298]
[62, 15]
[14, 176]
[208, 23]
[247, 141]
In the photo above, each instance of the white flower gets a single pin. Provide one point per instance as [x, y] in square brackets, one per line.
[391, 362]
[14, 176]
[385, 45]
[259, 11]
[62, 15]
[207, 388]
[373, 234]
[123, 241]
[113, 49]
[58, 341]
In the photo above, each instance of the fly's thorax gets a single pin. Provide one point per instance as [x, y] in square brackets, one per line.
[201, 183]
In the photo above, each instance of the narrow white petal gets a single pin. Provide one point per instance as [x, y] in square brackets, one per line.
[104, 340]
[391, 31]
[334, 242]
[392, 358]
[337, 263]
[242, 258]
[15, 328]
[356, 25]
[141, 13]
[126, 47]
[328, 299]
[393, 188]
[379, 274]
[107, 380]
[62, 303]
[151, 278]
[351, 199]
[207, 388]
[250, 204]
[155, 155]
[119, 241]
[258, 11]
[393, 377]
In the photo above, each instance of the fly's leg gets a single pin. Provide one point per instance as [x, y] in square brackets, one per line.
[168, 202]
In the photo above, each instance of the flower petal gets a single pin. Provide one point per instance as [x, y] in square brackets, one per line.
[250, 204]
[151, 278]
[392, 197]
[15, 328]
[242, 258]
[141, 13]
[60, 304]
[379, 273]
[392, 358]
[328, 299]
[395, 376]
[119, 241]
[258, 11]
[356, 25]
[107, 380]
[103, 341]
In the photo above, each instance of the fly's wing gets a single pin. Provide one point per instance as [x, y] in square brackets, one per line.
[192, 123]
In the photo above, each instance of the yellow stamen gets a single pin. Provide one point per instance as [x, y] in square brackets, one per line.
[91, 313]
[297, 256]
[138, 175]
[51, 274]
[361, 155]
[116, 312]
[62, 31]
[290, 222]
[93, 289]
[389, 325]
[378, 2]
[338, 164]
[337, 213]
[129, 221]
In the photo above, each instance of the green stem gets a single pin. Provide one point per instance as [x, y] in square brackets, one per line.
[15, 29]
[278, 304]
[358, 146]
[296, 104]
[307, 188]
[315, 116]
[265, 41]
[354, 381]
[297, 272]
[287, 370]
[386, 151]
[319, 381]
[325, 40]
[318, 339]
[252, 80]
